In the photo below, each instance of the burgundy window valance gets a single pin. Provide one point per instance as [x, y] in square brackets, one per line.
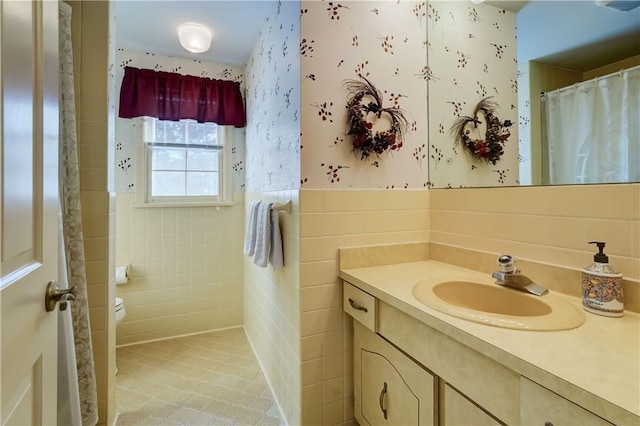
[171, 96]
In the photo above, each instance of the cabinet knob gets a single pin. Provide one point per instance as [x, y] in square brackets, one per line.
[383, 393]
[548, 424]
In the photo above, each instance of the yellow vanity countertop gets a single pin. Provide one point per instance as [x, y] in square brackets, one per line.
[596, 365]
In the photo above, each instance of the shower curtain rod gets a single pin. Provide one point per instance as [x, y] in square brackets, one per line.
[576, 85]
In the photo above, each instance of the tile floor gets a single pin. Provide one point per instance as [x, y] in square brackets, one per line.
[205, 379]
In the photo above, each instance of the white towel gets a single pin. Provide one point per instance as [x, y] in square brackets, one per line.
[250, 232]
[276, 257]
[263, 234]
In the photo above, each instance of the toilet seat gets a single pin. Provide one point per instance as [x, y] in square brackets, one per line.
[119, 303]
[120, 311]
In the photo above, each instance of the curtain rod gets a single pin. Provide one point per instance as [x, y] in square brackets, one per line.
[576, 85]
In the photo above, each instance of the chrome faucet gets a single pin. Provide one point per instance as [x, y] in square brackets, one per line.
[510, 276]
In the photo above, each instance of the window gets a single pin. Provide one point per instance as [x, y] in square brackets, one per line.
[185, 162]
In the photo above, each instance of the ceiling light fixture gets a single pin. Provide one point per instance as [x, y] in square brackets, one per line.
[622, 5]
[477, 1]
[195, 38]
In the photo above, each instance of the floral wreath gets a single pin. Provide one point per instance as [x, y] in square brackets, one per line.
[364, 99]
[491, 148]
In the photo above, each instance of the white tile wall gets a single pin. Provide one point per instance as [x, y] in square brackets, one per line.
[545, 224]
[186, 271]
[90, 38]
[272, 316]
[330, 219]
[294, 316]
[550, 224]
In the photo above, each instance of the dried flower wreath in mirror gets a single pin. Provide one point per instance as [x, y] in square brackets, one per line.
[490, 146]
[365, 113]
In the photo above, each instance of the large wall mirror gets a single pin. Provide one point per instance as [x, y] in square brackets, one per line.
[564, 74]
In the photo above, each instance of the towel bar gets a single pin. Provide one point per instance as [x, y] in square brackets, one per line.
[286, 207]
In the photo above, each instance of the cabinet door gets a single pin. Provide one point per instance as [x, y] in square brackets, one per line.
[540, 406]
[459, 411]
[389, 388]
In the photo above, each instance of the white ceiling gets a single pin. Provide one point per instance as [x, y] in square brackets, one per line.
[512, 5]
[152, 25]
[577, 35]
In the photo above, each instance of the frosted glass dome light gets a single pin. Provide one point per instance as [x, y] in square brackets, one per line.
[195, 38]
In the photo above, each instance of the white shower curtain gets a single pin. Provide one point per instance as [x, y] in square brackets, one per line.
[72, 232]
[593, 130]
[68, 393]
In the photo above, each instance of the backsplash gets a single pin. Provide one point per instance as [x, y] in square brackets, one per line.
[554, 277]
[551, 225]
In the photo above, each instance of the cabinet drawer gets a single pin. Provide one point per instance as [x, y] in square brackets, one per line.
[459, 411]
[540, 406]
[360, 305]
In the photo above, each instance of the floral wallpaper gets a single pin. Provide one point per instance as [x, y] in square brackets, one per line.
[128, 132]
[273, 104]
[296, 94]
[472, 55]
[524, 125]
[385, 42]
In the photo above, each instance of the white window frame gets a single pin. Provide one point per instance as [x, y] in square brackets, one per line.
[144, 197]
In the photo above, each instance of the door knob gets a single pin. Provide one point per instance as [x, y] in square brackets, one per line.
[55, 295]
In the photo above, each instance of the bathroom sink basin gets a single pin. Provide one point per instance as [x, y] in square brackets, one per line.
[488, 299]
[499, 306]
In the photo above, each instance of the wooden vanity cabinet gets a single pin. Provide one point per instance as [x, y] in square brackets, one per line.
[415, 375]
[542, 407]
[457, 410]
[389, 388]
[487, 383]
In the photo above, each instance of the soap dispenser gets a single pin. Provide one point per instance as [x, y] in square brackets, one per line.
[602, 286]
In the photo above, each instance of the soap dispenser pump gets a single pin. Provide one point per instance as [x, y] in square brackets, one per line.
[602, 286]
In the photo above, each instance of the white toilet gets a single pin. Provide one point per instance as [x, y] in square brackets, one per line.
[122, 278]
[120, 311]
[120, 314]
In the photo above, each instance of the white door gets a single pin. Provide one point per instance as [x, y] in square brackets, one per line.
[28, 210]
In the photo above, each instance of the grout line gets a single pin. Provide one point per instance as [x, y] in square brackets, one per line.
[267, 379]
[178, 336]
